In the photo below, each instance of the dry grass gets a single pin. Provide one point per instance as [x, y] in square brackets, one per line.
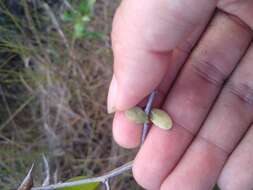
[53, 101]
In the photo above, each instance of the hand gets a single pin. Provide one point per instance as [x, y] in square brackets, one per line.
[206, 88]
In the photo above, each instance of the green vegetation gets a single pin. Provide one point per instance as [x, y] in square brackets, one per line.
[80, 17]
[55, 67]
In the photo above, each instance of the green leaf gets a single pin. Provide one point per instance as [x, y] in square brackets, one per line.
[86, 7]
[93, 35]
[137, 115]
[68, 16]
[161, 119]
[85, 19]
[89, 186]
[79, 30]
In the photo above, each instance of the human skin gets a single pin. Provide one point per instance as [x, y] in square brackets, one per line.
[198, 55]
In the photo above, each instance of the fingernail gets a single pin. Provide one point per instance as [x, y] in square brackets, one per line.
[112, 96]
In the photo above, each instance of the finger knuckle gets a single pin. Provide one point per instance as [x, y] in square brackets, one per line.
[242, 90]
[209, 71]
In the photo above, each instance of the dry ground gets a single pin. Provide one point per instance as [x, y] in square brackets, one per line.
[53, 102]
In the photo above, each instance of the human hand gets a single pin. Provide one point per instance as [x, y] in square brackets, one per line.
[207, 90]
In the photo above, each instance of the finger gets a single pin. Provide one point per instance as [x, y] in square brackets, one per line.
[128, 134]
[190, 99]
[229, 119]
[238, 171]
[143, 38]
[240, 9]
[198, 169]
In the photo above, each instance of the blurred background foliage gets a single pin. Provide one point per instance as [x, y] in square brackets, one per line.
[55, 68]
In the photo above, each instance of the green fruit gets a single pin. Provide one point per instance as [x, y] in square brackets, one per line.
[136, 115]
[161, 119]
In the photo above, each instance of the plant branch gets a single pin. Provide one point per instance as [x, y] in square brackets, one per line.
[67, 4]
[56, 24]
[147, 111]
[102, 179]
[118, 171]
[107, 185]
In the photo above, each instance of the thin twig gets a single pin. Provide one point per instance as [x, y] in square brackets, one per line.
[47, 169]
[7, 106]
[147, 111]
[102, 179]
[107, 185]
[67, 4]
[14, 114]
[118, 171]
[56, 24]
[28, 181]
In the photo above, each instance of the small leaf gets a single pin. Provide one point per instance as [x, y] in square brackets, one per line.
[86, 7]
[161, 119]
[85, 19]
[137, 115]
[27, 183]
[79, 30]
[68, 16]
[89, 186]
[93, 35]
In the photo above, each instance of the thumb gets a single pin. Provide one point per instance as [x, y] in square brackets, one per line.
[144, 34]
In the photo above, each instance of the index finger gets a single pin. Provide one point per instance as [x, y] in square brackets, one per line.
[144, 33]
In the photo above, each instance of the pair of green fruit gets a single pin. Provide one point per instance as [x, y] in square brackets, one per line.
[158, 117]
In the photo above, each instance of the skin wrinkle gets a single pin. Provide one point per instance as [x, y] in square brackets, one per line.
[195, 135]
[241, 10]
[204, 157]
[240, 22]
[242, 91]
[192, 15]
[243, 88]
[209, 72]
[230, 5]
[241, 117]
[220, 126]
